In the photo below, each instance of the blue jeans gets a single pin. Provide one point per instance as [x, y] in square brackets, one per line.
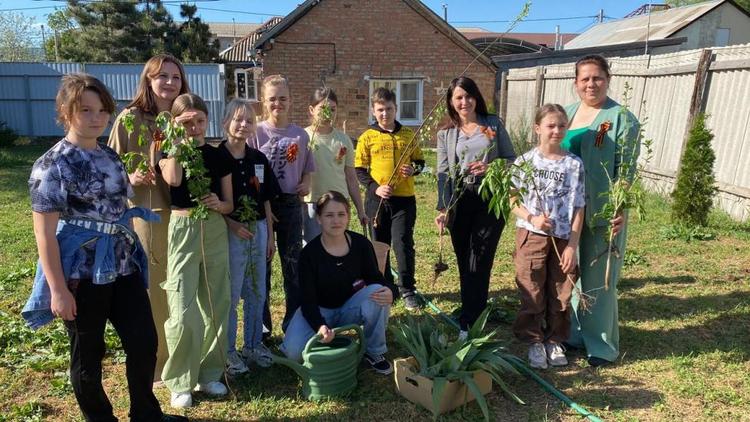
[359, 309]
[311, 227]
[247, 271]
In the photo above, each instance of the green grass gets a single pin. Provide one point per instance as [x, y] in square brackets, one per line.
[684, 316]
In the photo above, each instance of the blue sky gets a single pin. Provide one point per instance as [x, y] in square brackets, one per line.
[462, 13]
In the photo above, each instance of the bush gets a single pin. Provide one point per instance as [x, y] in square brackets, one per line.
[696, 184]
[7, 135]
[520, 135]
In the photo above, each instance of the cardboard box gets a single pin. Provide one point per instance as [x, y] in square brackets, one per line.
[418, 389]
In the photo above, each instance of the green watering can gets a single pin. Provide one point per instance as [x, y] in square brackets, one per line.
[328, 369]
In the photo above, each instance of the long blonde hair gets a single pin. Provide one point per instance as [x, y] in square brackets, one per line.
[144, 98]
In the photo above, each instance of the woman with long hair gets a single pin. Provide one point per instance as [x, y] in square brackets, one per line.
[162, 80]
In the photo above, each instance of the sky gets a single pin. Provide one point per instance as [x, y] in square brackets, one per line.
[572, 16]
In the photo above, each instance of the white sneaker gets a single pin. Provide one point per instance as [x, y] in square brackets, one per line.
[537, 356]
[556, 354]
[235, 364]
[463, 335]
[213, 388]
[181, 400]
[260, 355]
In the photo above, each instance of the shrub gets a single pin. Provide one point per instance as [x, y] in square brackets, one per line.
[520, 135]
[696, 184]
[7, 135]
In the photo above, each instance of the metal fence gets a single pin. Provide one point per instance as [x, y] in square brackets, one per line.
[27, 91]
[668, 91]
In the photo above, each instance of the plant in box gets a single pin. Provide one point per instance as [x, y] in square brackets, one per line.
[443, 362]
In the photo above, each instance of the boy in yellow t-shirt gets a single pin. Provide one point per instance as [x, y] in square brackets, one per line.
[379, 149]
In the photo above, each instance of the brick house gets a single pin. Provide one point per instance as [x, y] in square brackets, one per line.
[355, 46]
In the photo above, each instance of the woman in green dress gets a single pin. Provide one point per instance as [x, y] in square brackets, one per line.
[604, 135]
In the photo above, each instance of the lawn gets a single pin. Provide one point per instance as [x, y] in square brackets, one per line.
[684, 315]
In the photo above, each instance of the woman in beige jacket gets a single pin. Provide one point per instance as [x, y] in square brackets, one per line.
[162, 80]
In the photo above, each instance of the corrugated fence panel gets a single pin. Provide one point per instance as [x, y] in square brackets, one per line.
[521, 91]
[558, 85]
[727, 100]
[27, 91]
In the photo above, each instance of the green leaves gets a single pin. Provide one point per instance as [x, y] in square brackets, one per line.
[625, 190]
[187, 154]
[443, 361]
[128, 122]
[696, 184]
[498, 186]
[135, 160]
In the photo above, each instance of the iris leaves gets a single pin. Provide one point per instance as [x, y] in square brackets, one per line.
[444, 361]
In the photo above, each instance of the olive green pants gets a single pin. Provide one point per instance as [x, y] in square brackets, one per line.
[198, 295]
[153, 237]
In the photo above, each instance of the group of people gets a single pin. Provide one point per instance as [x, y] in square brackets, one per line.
[170, 284]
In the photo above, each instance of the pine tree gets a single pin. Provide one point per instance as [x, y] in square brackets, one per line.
[114, 31]
[696, 184]
[195, 39]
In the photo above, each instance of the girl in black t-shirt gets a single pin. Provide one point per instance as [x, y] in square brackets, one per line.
[341, 284]
[197, 282]
[251, 243]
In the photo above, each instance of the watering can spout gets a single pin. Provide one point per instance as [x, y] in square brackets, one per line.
[296, 366]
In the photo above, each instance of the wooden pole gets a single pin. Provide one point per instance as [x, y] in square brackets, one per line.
[503, 109]
[699, 87]
[538, 97]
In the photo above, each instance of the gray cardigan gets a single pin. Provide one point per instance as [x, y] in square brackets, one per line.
[446, 154]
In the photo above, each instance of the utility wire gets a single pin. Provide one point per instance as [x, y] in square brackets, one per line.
[238, 11]
[530, 20]
[28, 8]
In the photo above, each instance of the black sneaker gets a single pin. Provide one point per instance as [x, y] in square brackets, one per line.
[596, 362]
[411, 303]
[379, 363]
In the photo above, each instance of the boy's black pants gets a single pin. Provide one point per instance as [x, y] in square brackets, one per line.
[475, 234]
[125, 304]
[396, 227]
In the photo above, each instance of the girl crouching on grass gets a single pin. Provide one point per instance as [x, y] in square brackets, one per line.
[550, 217]
[197, 282]
[251, 243]
[341, 284]
[92, 266]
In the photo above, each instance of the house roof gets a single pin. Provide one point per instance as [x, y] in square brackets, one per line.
[663, 24]
[540, 38]
[231, 29]
[497, 45]
[424, 11]
[238, 52]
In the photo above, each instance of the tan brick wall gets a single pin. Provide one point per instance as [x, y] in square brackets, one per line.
[375, 38]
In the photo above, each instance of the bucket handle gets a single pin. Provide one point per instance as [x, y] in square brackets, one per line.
[317, 337]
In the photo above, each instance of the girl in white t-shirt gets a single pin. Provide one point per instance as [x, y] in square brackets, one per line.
[549, 220]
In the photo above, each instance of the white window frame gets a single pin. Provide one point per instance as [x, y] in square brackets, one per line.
[249, 79]
[398, 82]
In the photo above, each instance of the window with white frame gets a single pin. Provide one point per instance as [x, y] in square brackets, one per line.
[408, 98]
[245, 83]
